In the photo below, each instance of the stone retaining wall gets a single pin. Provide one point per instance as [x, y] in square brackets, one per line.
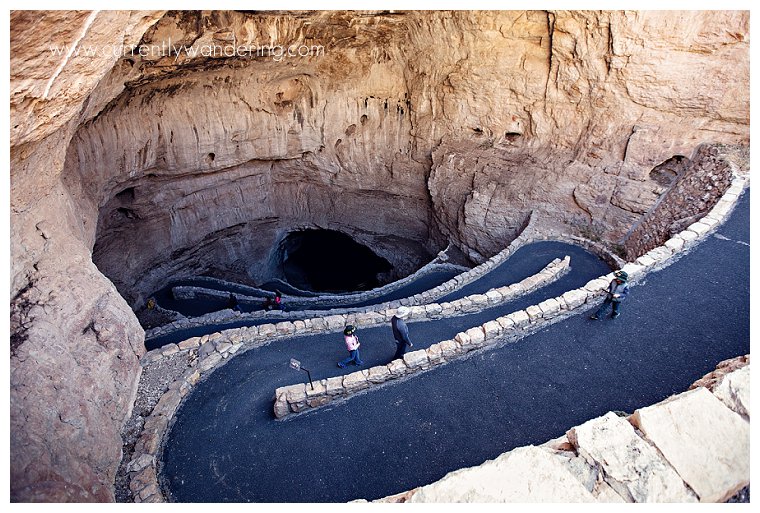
[528, 236]
[217, 347]
[228, 315]
[425, 297]
[332, 322]
[692, 447]
[299, 397]
[694, 192]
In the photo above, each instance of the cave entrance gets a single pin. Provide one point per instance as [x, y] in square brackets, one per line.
[330, 261]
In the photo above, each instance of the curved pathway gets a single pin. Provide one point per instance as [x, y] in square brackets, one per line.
[675, 327]
[522, 264]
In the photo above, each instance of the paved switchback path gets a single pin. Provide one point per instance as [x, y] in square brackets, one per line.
[225, 445]
[525, 262]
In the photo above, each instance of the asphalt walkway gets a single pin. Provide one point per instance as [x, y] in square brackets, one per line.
[525, 262]
[674, 328]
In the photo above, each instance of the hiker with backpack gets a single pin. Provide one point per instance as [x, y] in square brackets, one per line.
[616, 293]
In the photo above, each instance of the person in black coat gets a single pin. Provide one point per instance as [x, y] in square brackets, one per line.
[401, 332]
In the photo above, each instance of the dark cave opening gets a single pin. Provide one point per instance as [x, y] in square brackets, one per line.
[330, 261]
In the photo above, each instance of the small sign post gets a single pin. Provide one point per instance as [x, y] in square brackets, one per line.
[295, 364]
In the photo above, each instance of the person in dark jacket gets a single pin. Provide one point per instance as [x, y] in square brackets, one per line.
[232, 303]
[401, 332]
[616, 293]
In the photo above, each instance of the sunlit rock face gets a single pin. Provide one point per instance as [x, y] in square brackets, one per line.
[404, 131]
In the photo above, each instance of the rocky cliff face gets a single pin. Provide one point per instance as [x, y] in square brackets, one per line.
[406, 131]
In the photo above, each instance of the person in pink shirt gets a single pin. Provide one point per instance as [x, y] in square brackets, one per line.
[352, 344]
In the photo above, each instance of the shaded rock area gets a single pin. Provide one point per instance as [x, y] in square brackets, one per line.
[406, 131]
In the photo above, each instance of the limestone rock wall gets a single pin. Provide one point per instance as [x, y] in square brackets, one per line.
[75, 344]
[410, 129]
[215, 176]
[568, 113]
[564, 113]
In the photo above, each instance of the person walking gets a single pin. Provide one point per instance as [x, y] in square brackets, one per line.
[274, 303]
[352, 344]
[401, 332]
[616, 293]
[232, 303]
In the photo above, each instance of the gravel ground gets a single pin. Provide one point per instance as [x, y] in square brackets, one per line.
[155, 380]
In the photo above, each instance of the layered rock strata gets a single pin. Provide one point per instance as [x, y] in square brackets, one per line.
[408, 129]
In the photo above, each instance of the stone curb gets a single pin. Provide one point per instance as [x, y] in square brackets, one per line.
[144, 478]
[214, 349]
[454, 284]
[513, 326]
[360, 297]
[296, 398]
[328, 321]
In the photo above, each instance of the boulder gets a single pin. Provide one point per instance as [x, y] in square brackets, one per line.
[632, 467]
[507, 479]
[706, 443]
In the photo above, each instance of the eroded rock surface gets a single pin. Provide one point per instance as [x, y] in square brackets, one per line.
[631, 466]
[707, 443]
[409, 130]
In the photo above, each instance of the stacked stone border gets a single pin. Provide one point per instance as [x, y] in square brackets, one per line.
[553, 271]
[299, 397]
[439, 262]
[218, 347]
[509, 328]
[691, 447]
[452, 285]
[527, 236]
[297, 310]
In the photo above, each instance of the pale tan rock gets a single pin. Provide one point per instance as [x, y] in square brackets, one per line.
[416, 359]
[701, 229]
[706, 443]
[520, 318]
[734, 390]
[645, 261]
[575, 298]
[476, 336]
[534, 313]
[398, 367]
[355, 381]
[492, 329]
[506, 323]
[448, 348]
[281, 408]
[434, 353]
[507, 113]
[505, 479]
[689, 237]
[334, 385]
[633, 468]
[379, 374]
[433, 310]
[494, 297]
[549, 307]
